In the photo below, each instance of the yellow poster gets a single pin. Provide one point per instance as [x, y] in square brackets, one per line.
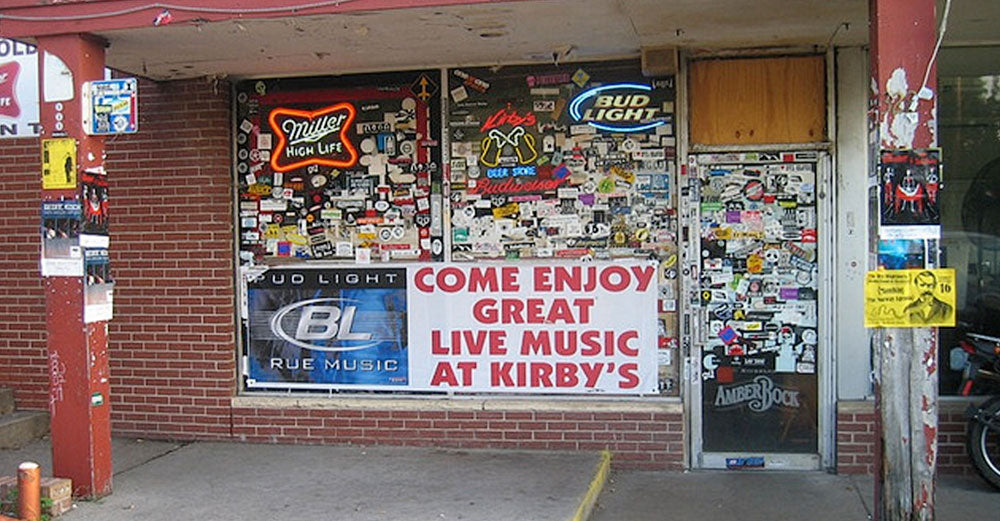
[58, 163]
[910, 298]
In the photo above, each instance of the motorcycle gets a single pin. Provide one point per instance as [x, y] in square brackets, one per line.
[978, 358]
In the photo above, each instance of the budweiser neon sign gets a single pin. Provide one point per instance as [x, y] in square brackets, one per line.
[510, 186]
[313, 138]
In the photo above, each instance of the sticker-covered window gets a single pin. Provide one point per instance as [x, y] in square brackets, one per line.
[345, 168]
[572, 161]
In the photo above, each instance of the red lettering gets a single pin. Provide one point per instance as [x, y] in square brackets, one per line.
[509, 278]
[542, 278]
[484, 311]
[511, 186]
[500, 374]
[566, 375]
[541, 374]
[592, 373]
[503, 117]
[534, 315]
[418, 279]
[644, 275]
[466, 368]
[566, 343]
[444, 374]
[482, 279]
[630, 380]
[583, 306]
[622, 276]
[512, 311]
[498, 341]
[561, 311]
[591, 339]
[474, 341]
[623, 341]
[457, 276]
[536, 343]
[436, 348]
[569, 278]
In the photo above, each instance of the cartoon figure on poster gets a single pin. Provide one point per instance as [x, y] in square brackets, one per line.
[910, 182]
[927, 308]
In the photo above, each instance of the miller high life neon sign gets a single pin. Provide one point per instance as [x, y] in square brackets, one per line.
[313, 137]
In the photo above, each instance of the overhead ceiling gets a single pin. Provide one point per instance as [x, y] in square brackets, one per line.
[502, 33]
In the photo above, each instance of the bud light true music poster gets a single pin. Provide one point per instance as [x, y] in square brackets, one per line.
[321, 328]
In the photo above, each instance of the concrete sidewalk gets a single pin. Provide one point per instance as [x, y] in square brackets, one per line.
[759, 496]
[236, 481]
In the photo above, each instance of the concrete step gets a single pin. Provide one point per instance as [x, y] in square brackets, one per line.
[6, 400]
[22, 427]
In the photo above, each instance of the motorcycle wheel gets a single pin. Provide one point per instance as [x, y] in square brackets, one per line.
[983, 443]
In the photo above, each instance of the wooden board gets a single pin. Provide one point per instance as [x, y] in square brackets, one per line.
[758, 100]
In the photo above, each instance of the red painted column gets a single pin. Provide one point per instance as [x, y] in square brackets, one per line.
[78, 352]
[904, 82]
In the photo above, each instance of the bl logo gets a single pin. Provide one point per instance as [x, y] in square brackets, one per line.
[324, 324]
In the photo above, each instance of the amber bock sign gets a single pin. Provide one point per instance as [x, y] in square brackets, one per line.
[537, 328]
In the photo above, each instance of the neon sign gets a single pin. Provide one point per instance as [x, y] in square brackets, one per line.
[503, 117]
[313, 138]
[620, 107]
[496, 143]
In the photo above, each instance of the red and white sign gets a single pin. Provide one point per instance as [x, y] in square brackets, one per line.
[18, 89]
[533, 328]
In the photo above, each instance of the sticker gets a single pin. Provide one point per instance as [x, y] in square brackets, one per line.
[580, 78]
[543, 105]
[459, 94]
[424, 87]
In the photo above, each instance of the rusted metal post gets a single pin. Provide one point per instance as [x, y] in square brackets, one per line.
[903, 38]
[29, 490]
[79, 379]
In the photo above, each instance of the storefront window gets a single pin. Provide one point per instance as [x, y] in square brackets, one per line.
[535, 168]
[969, 135]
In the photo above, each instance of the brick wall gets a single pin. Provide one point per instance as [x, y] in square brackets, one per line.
[640, 440]
[23, 357]
[856, 438]
[172, 340]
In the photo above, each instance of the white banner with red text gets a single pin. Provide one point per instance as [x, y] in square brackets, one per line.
[552, 328]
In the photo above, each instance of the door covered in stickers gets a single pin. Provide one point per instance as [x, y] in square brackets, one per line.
[756, 304]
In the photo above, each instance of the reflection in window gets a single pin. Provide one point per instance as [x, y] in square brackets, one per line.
[969, 134]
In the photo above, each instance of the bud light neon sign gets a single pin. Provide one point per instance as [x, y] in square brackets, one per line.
[619, 107]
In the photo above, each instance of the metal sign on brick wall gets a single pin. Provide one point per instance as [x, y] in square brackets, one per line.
[111, 107]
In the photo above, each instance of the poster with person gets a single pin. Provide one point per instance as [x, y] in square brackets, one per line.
[910, 298]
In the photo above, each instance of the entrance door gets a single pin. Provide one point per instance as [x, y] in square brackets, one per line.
[755, 309]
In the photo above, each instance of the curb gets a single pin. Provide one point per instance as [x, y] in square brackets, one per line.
[596, 485]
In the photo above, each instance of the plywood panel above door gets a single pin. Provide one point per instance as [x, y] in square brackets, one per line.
[751, 101]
